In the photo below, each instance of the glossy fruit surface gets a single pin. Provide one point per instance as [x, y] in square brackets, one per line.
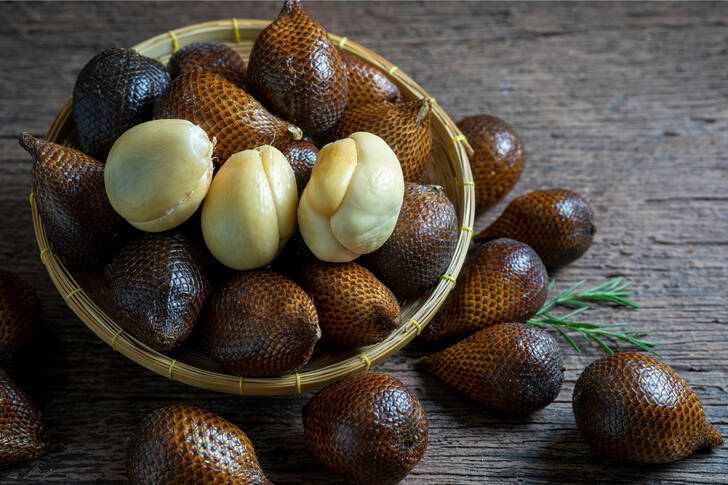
[513, 368]
[302, 156]
[296, 71]
[503, 281]
[187, 445]
[250, 210]
[236, 119]
[68, 189]
[557, 223]
[21, 317]
[23, 433]
[210, 56]
[632, 407]
[370, 429]
[116, 90]
[367, 84]
[260, 323]
[404, 126]
[353, 306]
[351, 203]
[158, 172]
[420, 249]
[158, 287]
[498, 159]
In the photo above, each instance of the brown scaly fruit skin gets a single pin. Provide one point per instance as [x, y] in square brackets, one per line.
[68, 189]
[367, 84]
[158, 288]
[187, 445]
[420, 249]
[558, 224]
[370, 429]
[353, 306]
[498, 159]
[113, 92]
[632, 407]
[503, 281]
[23, 432]
[236, 119]
[296, 70]
[260, 324]
[404, 126]
[21, 315]
[301, 155]
[209, 56]
[513, 368]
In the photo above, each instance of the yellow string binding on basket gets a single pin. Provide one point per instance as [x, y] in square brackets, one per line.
[171, 366]
[30, 197]
[392, 69]
[298, 382]
[42, 255]
[342, 42]
[68, 296]
[469, 229]
[175, 44]
[236, 31]
[417, 325]
[366, 360]
[113, 339]
[449, 278]
[241, 386]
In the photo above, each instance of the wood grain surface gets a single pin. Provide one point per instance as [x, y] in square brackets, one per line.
[625, 103]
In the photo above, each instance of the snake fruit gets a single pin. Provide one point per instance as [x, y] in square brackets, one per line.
[631, 407]
[260, 323]
[181, 445]
[370, 429]
[296, 71]
[513, 368]
[116, 90]
[558, 224]
[503, 281]
[68, 189]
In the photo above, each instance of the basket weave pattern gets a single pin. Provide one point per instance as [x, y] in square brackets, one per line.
[86, 293]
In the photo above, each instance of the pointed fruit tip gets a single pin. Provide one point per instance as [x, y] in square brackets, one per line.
[27, 141]
[292, 6]
[712, 439]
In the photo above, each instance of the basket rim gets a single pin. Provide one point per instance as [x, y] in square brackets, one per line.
[105, 327]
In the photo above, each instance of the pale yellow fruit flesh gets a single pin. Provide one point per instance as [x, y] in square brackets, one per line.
[250, 209]
[158, 172]
[352, 202]
[369, 212]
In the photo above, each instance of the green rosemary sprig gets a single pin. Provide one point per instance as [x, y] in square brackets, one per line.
[615, 292]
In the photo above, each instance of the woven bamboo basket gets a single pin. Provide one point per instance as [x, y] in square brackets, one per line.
[87, 292]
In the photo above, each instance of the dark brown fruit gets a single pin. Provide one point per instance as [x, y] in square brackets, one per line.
[513, 368]
[23, 433]
[113, 92]
[209, 56]
[158, 288]
[188, 445]
[503, 281]
[558, 224]
[404, 126]
[353, 306]
[367, 84]
[68, 188]
[632, 407]
[296, 70]
[21, 315]
[301, 155]
[260, 324]
[420, 249]
[370, 429]
[498, 159]
[235, 118]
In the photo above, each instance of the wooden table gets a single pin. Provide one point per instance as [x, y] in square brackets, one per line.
[625, 103]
